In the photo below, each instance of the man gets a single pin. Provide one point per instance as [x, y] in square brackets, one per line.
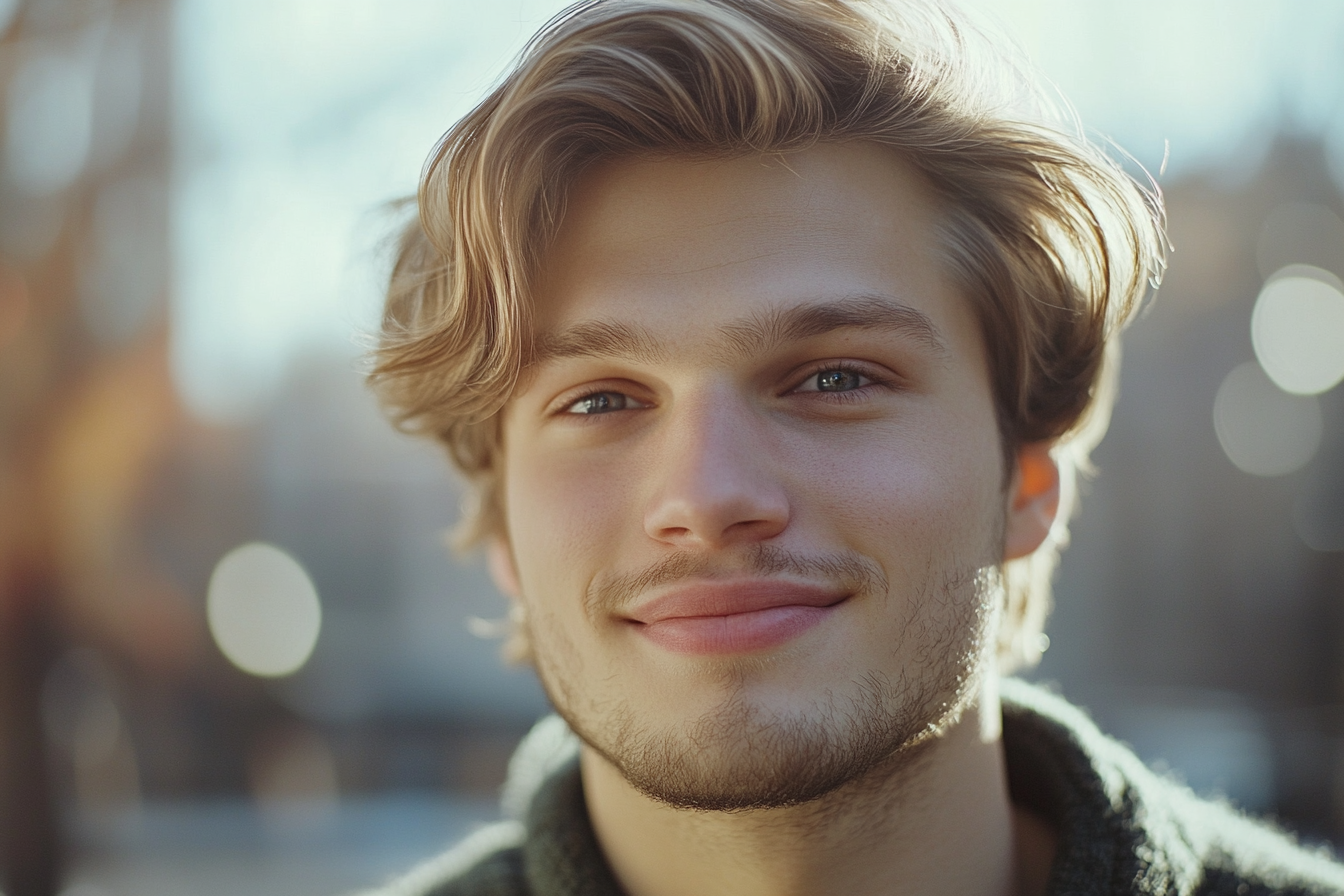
[769, 334]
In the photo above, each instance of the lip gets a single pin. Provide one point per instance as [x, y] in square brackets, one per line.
[730, 616]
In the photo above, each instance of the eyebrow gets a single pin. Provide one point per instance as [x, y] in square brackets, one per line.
[770, 329]
[758, 334]
[599, 339]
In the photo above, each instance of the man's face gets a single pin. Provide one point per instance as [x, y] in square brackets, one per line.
[753, 484]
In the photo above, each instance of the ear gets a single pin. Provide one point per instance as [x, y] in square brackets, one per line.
[1033, 500]
[499, 558]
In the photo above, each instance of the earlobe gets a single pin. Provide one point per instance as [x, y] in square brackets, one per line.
[499, 559]
[1033, 500]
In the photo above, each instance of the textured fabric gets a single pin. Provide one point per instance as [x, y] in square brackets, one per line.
[1125, 830]
[1122, 829]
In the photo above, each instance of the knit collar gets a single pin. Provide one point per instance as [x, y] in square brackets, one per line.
[1113, 836]
[1110, 839]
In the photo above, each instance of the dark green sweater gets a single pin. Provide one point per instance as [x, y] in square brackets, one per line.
[1122, 829]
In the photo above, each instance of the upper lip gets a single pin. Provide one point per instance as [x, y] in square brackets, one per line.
[726, 597]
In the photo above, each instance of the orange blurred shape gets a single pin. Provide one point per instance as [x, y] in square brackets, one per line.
[104, 448]
[14, 303]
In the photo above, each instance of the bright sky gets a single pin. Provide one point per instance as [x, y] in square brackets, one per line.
[300, 119]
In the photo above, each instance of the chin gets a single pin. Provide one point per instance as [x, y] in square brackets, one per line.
[760, 743]
[743, 757]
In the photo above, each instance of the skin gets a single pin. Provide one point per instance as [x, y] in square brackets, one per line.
[667, 439]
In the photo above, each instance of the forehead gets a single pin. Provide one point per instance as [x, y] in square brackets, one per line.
[683, 244]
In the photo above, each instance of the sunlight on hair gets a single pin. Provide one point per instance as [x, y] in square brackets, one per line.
[1263, 430]
[1297, 328]
[263, 610]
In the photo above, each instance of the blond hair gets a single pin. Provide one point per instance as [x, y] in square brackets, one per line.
[1052, 243]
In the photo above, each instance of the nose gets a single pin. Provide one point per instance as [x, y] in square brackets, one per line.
[715, 485]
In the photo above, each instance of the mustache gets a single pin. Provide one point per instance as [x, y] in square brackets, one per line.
[851, 570]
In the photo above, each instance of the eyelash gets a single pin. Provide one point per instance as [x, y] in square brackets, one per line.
[563, 405]
[848, 396]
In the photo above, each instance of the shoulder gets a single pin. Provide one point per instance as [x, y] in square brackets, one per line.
[1249, 857]
[1121, 823]
[544, 847]
[488, 862]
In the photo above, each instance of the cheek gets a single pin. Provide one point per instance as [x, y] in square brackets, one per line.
[917, 487]
[563, 519]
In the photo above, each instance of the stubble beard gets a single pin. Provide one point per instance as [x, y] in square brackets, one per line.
[741, 756]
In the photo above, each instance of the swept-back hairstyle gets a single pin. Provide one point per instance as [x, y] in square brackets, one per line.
[1047, 238]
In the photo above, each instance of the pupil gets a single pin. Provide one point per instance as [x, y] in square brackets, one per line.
[837, 381]
[597, 404]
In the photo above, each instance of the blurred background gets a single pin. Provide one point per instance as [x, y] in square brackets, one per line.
[235, 654]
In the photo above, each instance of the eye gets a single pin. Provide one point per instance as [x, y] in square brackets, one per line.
[835, 379]
[603, 403]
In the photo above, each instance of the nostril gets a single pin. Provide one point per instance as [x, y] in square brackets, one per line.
[715, 483]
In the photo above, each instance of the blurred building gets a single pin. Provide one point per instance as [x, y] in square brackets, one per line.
[86, 410]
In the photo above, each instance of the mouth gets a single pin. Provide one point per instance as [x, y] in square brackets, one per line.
[742, 616]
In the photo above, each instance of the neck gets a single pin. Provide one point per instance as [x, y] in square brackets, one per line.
[936, 822]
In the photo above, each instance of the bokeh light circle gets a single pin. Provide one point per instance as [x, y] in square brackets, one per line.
[1263, 430]
[263, 610]
[1319, 521]
[1297, 329]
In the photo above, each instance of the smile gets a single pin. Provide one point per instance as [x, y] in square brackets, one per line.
[733, 616]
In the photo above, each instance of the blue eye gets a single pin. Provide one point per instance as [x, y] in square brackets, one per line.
[838, 380]
[600, 403]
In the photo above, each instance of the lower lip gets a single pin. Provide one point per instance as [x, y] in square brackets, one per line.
[736, 633]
